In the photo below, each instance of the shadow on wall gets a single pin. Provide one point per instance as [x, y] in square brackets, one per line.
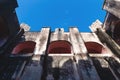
[104, 72]
[116, 32]
[4, 32]
[59, 68]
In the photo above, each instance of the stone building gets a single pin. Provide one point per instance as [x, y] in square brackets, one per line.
[59, 55]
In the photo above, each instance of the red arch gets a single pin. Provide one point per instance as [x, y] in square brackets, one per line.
[24, 47]
[60, 46]
[93, 47]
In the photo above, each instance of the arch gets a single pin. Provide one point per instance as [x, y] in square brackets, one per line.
[93, 47]
[24, 47]
[60, 46]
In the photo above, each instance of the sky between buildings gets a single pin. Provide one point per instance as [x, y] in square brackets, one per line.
[60, 13]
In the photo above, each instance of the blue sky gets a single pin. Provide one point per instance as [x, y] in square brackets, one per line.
[60, 13]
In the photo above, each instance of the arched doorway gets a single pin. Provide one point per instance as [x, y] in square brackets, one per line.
[93, 47]
[60, 46]
[24, 47]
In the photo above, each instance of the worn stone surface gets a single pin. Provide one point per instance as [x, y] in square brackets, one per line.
[60, 67]
[26, 27]
[31, 36]
[112, 6]
[32, 71]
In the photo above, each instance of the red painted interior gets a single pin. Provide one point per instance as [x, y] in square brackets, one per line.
[60, 46]
[24, 47]
[93, 47]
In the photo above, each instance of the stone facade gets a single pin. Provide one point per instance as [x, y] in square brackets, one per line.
[58, 55]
